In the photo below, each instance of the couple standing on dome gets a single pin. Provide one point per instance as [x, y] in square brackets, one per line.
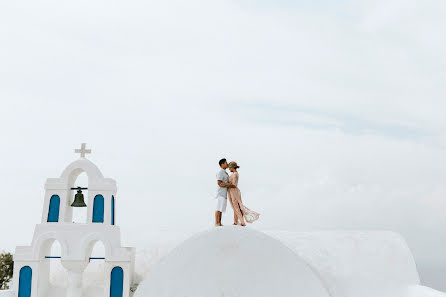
[228, 187]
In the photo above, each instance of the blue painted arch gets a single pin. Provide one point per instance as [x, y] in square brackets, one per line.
[25, 280]
[113, 210]
[98, 209]
[53, 209]
[116, 282]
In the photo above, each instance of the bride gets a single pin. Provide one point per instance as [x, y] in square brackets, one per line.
[241, 212]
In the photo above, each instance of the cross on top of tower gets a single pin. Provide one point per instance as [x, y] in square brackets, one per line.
[82, 150]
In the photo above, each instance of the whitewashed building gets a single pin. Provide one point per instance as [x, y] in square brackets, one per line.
[32, 263]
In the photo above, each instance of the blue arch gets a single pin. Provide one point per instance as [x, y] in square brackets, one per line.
[98, 209]
[113, 210]
[116, 282]
[53, 210]
[25, 279]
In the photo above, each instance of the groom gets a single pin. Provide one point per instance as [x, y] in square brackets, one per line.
[222, 191]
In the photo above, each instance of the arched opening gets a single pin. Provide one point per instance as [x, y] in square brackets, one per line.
[52, 279]
[93, 277]
[98, 209]
[53, 209]
[25, 280]
[116, 282]
[80, 213]
[57, 274]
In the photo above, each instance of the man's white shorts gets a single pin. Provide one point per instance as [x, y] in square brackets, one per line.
[221, 203]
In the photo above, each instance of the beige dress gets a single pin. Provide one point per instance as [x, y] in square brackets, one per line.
[235, 198]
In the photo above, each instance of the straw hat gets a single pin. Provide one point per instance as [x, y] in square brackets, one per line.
[233, 165]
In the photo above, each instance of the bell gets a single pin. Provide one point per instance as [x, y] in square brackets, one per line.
[79, 199]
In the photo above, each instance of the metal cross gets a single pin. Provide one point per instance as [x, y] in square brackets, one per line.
[82, 150]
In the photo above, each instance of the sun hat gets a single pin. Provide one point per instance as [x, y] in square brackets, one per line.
[233, 165]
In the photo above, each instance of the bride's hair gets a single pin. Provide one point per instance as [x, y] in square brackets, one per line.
[233, 164]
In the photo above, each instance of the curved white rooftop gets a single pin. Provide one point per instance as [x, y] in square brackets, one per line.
[242, 262]
[232, 261]
[356, 263]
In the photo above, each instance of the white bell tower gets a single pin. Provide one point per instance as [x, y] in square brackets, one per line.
[32, 263]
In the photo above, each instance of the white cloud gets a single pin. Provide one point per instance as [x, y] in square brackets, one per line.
[336, 115]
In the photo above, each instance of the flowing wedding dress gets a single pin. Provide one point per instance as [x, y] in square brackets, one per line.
[235, 198]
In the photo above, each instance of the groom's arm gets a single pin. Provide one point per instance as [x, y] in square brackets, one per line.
[225, 185]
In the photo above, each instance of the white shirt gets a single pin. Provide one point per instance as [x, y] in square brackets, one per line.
[224, 177]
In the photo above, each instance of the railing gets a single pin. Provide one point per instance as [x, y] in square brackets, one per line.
[89, 259]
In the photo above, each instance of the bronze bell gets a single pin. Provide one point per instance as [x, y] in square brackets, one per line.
[79, 199]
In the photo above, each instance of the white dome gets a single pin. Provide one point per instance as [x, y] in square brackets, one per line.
[231, 261]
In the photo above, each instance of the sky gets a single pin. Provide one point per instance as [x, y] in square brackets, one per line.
[334, 112]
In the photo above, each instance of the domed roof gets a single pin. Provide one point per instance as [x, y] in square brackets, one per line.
[231, 261]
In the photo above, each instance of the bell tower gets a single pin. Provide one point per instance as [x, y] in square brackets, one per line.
[31, 263]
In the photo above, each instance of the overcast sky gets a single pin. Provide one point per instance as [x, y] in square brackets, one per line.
[335, 111]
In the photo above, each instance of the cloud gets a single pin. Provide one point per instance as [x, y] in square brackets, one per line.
[334, 112]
